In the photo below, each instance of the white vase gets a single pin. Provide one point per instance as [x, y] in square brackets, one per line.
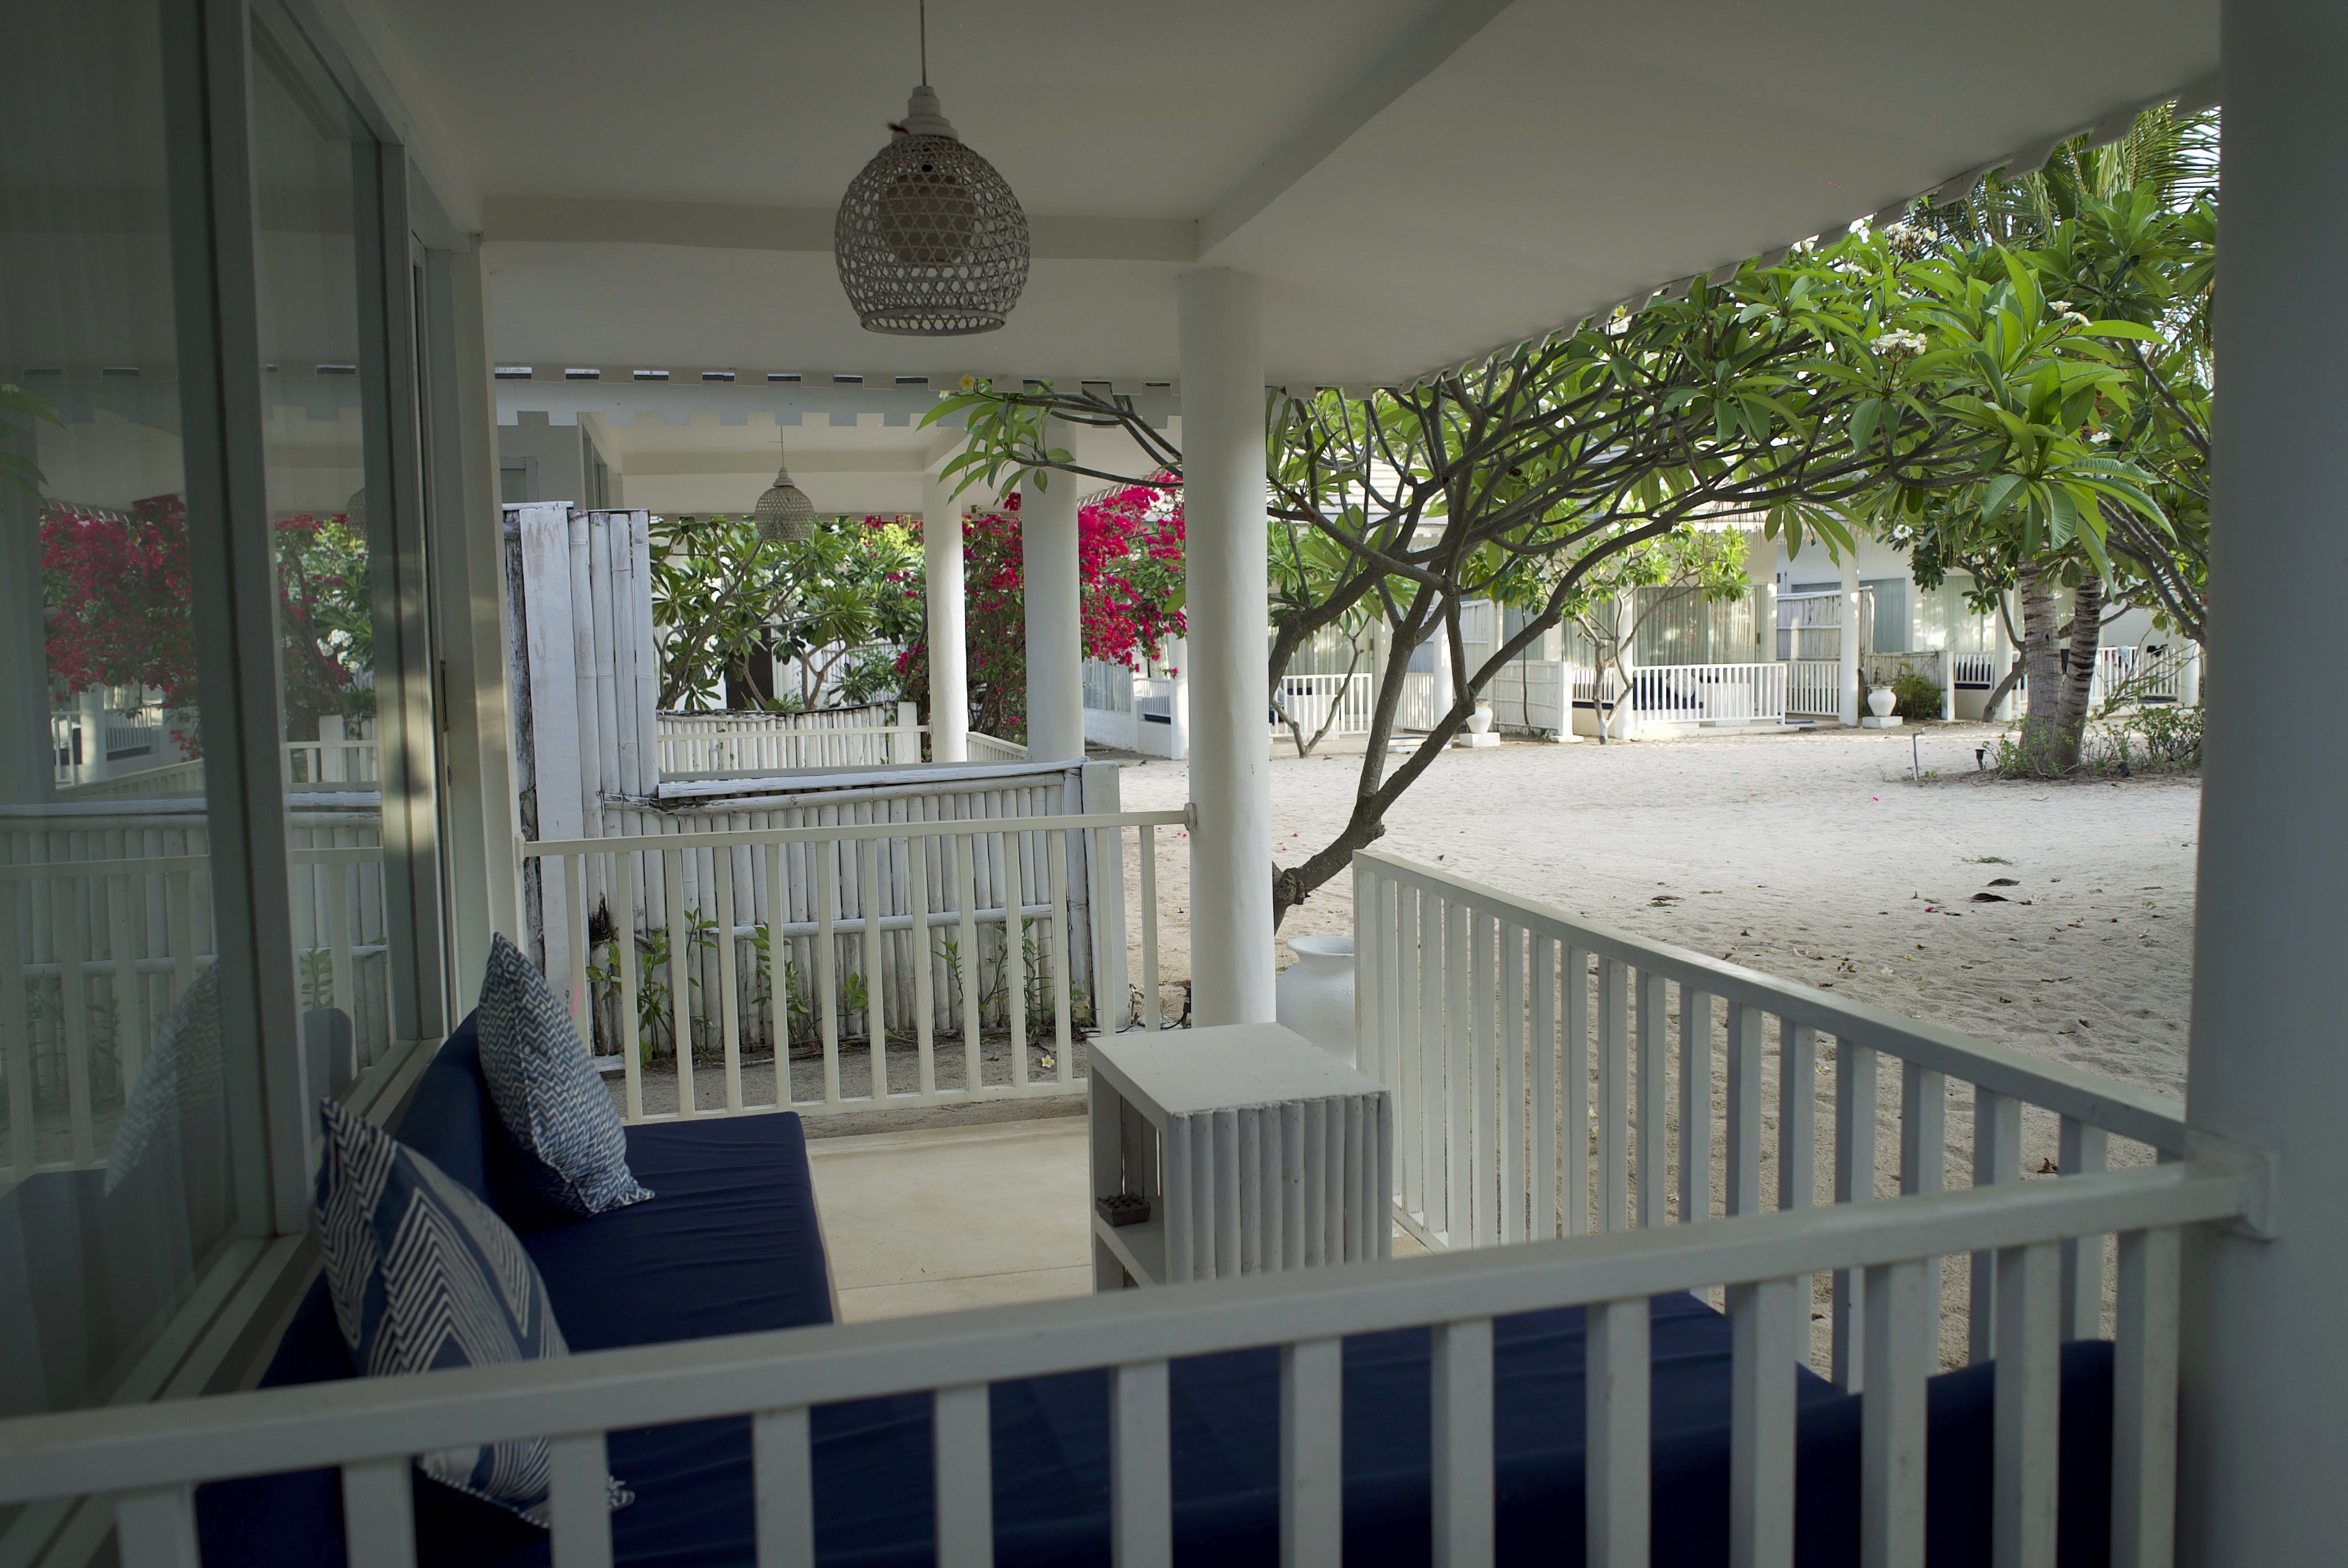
[1314, 996]
[1477, 723]
[1881, 701]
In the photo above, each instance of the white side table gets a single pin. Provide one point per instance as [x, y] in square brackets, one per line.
[1255, 1151]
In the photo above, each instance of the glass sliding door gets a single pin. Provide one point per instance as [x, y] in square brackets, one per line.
[122, 1181]
[353, 678]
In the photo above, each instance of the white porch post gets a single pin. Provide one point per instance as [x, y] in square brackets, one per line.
[1220, 317]
[1847, 639]
[949, 653]
[2264, 1377]
[1055, 674]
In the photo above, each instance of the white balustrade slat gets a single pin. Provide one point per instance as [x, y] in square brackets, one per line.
[2029, 1392]
[827, 965]
[1311, 1453]
[729, 1018]
[1696, 1105]
[680, 979]
[782, 1481]
[129, 997]
[1015, 955]
[578, 1504]
[329, 880]
[1901, 1298]
[1653, 1171]
[623, 958]
[1515, 1181]
[15, 1037]
[1924, 1148]
[1997, 1158]
[923, 946]
[779, 976]
[379, 1513]
[1056, 857]
[1797, 1116]
[1573, 1066]
[875, 965]
[1460, 1098]
[962, 1451]
[1855, 1112]
[967, 973]
[1743, 1152]
[157, 1529]
[1409, 967]
[73, 1008]
[1174, 1156]
[1141, 1477]
[2085, 1150]
[1768, 1320]
[1461, 1454]
[1617, 1423]
[1430, 969]
[1545, 1147]
[1153, 1009]
[2144, 1401]
[1483, 1067]
[1613, 1094]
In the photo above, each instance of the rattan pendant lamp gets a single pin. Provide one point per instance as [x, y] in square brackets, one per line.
[930, 242]
[784, 515]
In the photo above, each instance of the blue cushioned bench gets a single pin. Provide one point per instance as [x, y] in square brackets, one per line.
[730, 1244]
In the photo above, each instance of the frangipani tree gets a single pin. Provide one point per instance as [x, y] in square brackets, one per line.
[1523, 476]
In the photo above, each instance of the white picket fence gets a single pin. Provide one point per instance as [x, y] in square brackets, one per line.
[106, 918]
[1531, 694]
[849, 940]
[1708, 693]
[1311, 701]
[1812, 688]
[868, 737]
[2157, 673]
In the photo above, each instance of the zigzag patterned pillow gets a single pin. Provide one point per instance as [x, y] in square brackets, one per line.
[425, 1276]
[548, 1093]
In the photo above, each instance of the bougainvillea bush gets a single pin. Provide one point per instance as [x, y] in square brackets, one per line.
[1129, 587]
[120, 611]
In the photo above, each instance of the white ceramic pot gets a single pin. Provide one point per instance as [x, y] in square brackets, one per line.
[1477, 723]
[1314, 996]
[1881, 701]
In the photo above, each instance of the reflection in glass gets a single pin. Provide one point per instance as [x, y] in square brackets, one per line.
[313, 423]
[116, 1167]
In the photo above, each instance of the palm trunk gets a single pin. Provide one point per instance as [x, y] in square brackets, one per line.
[2041, 660]
[2078, 680]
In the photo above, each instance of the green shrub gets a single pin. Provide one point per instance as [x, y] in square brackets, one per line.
[1917, 694]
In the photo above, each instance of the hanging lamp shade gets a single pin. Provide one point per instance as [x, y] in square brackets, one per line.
[930, 242]
[784, 515]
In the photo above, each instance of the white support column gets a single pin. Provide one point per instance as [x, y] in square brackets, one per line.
[949, 649]
[1220, 316]
[1056, 670]
[1847, 639]
[2262, 1372]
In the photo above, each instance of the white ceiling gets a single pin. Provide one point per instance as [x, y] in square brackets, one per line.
[1415, 182]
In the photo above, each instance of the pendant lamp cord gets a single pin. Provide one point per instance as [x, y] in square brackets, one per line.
[925, 43]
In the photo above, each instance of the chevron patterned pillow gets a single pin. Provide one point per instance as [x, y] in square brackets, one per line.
[424, 1276]
[548, 1093]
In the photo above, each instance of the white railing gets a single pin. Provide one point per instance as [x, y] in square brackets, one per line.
[1812, 688]
[331, 761]
[784, 743]
[1480, 999]
[1421, 704]
[1708, 693]
[106, 918]
[987, 749]
[1531, 694]
[151, 1459]
[932, 902]
[2157, 673]
[1311, 701]
[1977, 672]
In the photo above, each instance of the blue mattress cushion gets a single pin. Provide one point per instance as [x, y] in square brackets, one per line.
[548, 1095]
[423, 1277]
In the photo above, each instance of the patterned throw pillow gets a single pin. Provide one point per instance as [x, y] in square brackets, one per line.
[425, 1276]
[548, 1093]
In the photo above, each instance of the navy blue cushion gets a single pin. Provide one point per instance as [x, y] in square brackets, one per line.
[424, 1277]
[547, 1093]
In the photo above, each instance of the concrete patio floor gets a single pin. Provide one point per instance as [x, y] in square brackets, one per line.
[941, 1220]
